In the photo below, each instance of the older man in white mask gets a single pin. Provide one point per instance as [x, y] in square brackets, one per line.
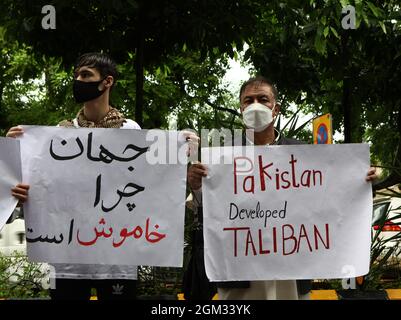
[259, 108]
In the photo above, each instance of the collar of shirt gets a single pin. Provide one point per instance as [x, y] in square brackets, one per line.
[276, 139]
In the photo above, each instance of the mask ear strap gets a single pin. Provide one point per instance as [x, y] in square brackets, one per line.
[275, 108]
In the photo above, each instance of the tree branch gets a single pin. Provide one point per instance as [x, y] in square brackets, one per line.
[232, 111]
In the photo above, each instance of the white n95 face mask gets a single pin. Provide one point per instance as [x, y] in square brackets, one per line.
[257, 116]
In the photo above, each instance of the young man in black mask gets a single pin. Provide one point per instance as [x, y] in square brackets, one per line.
[94, 77]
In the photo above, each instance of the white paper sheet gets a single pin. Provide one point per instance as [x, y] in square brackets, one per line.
[287, 212]
[93, 201]
[10, 176]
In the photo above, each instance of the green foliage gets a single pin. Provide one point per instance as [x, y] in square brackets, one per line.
[157, 281]
[301, 45]
[36, 89]
[33, 89]
[185, 85]
[323, 68]
[20, 278]
[117, 28]
[384, 259]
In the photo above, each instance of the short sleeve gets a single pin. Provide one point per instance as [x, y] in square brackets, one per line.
[130, 124]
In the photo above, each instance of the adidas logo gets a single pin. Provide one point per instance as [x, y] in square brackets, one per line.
[117, 289]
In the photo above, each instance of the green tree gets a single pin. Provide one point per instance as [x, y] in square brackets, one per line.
[152, 30]
[323, 68]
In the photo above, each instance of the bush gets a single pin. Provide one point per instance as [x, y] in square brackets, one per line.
[20, 278]
[159, 281]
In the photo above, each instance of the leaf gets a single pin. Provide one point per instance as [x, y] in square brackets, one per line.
[133, 3]
[333, 30]
[166, 70]
[282, 37]
[326, 31]
[374, 9]
[365, 18]
[357, 23]
[2, 33]
[320, 44]
[236, 57]
[309, 27]
[382, 25]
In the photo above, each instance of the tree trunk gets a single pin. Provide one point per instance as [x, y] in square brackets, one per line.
[346, 101]
[49, 87]
[3, 121]
[347, 111]
[395, 175]
[139, 72]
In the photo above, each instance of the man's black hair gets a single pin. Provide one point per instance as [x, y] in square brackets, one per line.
[257, 81]
[100, 61]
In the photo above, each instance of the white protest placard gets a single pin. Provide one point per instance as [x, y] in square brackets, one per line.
[10, 176]
[104, 196]
[287, 212]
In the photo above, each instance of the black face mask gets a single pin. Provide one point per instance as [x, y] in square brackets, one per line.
[86, 91]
